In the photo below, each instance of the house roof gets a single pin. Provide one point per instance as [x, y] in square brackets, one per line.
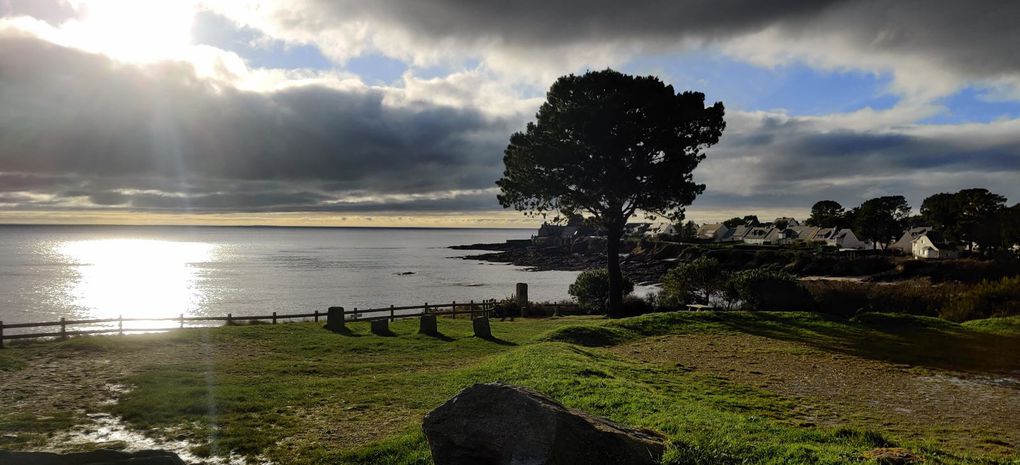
[739, 232]
[757, 232]
[710, 230]
[937, 239]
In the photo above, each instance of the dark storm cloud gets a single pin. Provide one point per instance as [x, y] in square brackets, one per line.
[971, 38]
[79, 123]
[538, 23]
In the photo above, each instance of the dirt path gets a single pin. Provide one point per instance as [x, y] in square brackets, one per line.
[955, 411]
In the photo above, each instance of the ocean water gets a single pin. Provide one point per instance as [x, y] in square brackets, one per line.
[80, 272]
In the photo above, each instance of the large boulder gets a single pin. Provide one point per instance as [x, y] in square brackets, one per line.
[499, 424]
[96, 457]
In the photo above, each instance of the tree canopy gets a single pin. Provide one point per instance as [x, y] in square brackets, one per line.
[607, 145]
[968, 216]
[827, 214]
[881, 219]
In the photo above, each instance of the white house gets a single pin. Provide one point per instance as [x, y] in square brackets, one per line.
[844, 239]
[757, 235]
[713, 232]
[933, 245]
[905, 243]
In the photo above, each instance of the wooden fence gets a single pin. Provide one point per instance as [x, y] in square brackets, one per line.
[390, 313]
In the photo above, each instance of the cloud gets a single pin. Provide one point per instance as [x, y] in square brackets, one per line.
[930, 47]
[202, 131]
[777, 160]
[158, 136]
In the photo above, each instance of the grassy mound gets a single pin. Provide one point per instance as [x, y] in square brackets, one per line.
[1006, 326]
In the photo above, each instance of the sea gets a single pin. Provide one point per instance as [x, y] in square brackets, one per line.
[86, 272]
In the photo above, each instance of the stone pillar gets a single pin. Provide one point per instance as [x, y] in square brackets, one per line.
[381, 327]
[335, 319]
[481, 327]
[427, 325]
[522, 297]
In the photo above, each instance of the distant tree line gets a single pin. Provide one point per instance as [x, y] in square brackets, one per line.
[970, 217]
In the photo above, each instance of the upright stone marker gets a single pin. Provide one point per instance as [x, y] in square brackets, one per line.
[335, 319]
[381, 327]
[428, 325]
[481, 327]
[522, 297]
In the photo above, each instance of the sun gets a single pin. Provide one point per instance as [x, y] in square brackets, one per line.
[134, 30]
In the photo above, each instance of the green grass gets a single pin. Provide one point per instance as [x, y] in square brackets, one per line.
[296, 394]
[9, 361]
[908, 339]
[1005, 326]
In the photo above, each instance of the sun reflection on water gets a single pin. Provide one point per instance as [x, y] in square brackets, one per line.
[137, 278]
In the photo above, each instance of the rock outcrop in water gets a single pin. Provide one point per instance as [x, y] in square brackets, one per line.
[498, 424]
[97, 457]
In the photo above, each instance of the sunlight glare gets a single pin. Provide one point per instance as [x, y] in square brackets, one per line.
[137, 278]
[135, 30]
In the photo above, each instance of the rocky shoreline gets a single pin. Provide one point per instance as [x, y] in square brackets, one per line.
[641, 268]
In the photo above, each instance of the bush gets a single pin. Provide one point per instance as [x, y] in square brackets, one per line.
[591, 289]
[917, 297]
[769, 289]
[634, 305]
[840, 298]
[696, 281]
[848, 298]
[986, 300]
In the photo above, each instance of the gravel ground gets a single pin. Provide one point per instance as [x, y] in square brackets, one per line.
[957, 411]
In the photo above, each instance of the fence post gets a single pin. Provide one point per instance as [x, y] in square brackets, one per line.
[355, 314]
[453, 309]
[274, 318]
[1, 335]
[392, 314]
[471, 308]
[63, 328]
[182, 321]
[426, 307]
[229, 319]
[120, 325]
[316, 316]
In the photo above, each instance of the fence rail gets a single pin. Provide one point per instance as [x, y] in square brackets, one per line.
[451, 309]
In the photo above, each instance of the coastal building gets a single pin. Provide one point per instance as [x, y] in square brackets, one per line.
[556, 234]
[933, 245]
[905, 243]
[637, 229]
[713, 232]
[757, 235]
[844, 239]
[738, 233]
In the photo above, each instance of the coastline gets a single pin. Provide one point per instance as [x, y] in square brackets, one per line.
[641, 267]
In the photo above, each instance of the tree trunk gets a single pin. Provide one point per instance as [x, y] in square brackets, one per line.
[615, 308]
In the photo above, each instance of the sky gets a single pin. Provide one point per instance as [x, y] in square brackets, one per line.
[390, 113]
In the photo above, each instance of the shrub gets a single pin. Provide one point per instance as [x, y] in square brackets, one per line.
[591, 289]
[698, 280]
[769, 289]
[985, 300]
[840, 298]
[916, 297]
[634, 305]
